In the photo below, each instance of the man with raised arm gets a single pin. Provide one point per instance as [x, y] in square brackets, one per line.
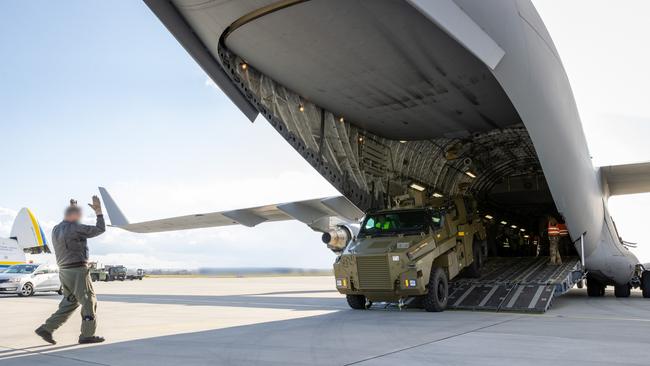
[71, 248]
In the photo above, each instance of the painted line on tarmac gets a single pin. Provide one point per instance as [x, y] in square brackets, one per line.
[27, 352]
[224, 302]
[432, 342]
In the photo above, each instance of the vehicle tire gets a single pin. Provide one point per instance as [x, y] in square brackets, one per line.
[474, 269]
[93, 277]
[595, 288]
[27, 290]
[436, 298]
[357, 302]
[60, 291]
[140, 278]
[622, 290]
[645, 284]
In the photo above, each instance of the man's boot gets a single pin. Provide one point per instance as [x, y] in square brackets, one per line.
[45, 334]
[93, 339]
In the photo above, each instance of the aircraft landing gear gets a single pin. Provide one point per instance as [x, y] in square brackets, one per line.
[622, 290]
[595, 288]
[645, 284]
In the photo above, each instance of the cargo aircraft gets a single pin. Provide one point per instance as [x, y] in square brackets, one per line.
[391, 99]
[26, 237]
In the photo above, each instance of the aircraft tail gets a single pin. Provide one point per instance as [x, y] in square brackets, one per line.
[28, 233]
[114, 213]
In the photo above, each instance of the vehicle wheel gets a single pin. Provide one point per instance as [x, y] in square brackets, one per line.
[357, 302]
[595, 288]
[436, 297]
[27, 290]
[622, 290]
[580, 284]
[474, 269]
[93, 277]
[140, 278]
[60, 291]
[645, 284]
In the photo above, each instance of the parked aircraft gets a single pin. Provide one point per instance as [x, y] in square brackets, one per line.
[429, 99]
[26, 236]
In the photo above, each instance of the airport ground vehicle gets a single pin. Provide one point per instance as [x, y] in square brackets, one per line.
[117, 272]
[27, 279]
[135, 274]
[97, 273]
[404, 253]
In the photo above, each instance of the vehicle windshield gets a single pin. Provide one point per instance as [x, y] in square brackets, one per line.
[389, 223]
[21, 268]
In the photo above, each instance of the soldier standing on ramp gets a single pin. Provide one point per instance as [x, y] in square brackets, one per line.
[554, 240]
[71, 248]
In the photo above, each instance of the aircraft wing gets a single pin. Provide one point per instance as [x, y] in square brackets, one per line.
[316, 213]
[627, 178]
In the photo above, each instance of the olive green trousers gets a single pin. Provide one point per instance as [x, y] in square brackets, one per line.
[77, 290]
[554, 249]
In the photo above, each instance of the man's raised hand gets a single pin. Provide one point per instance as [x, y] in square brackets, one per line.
[96, 205]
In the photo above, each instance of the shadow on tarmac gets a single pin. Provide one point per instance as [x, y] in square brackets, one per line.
[578, 331]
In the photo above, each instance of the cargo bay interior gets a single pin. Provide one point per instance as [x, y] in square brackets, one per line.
[435, 124]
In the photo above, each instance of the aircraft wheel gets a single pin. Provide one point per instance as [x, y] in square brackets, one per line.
[645, 284]
[595, 288]
[27, 290]
[436, 298]
[357, 302]
[622, 290]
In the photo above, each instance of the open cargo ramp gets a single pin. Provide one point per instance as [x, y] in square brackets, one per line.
[526, 284]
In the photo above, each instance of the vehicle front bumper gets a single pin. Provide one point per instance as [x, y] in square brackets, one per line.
[9, 288]
[401, 280]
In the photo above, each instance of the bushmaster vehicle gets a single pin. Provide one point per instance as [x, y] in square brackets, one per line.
[406, 253]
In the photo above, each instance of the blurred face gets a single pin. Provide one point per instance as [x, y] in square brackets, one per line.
[73, 216]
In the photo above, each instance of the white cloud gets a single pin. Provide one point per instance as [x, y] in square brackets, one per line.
[7, 217]
[139, 199]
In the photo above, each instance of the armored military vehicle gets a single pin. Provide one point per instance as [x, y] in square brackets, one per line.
[116, 273]
[411, 253]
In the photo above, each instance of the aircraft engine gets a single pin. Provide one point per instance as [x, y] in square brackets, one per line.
[337, 238]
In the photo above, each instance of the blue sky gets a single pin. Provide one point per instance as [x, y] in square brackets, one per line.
[99, 93]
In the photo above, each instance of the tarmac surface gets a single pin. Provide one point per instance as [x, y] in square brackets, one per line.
[303, 321]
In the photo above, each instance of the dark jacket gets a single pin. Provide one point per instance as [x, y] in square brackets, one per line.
[70, 241]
